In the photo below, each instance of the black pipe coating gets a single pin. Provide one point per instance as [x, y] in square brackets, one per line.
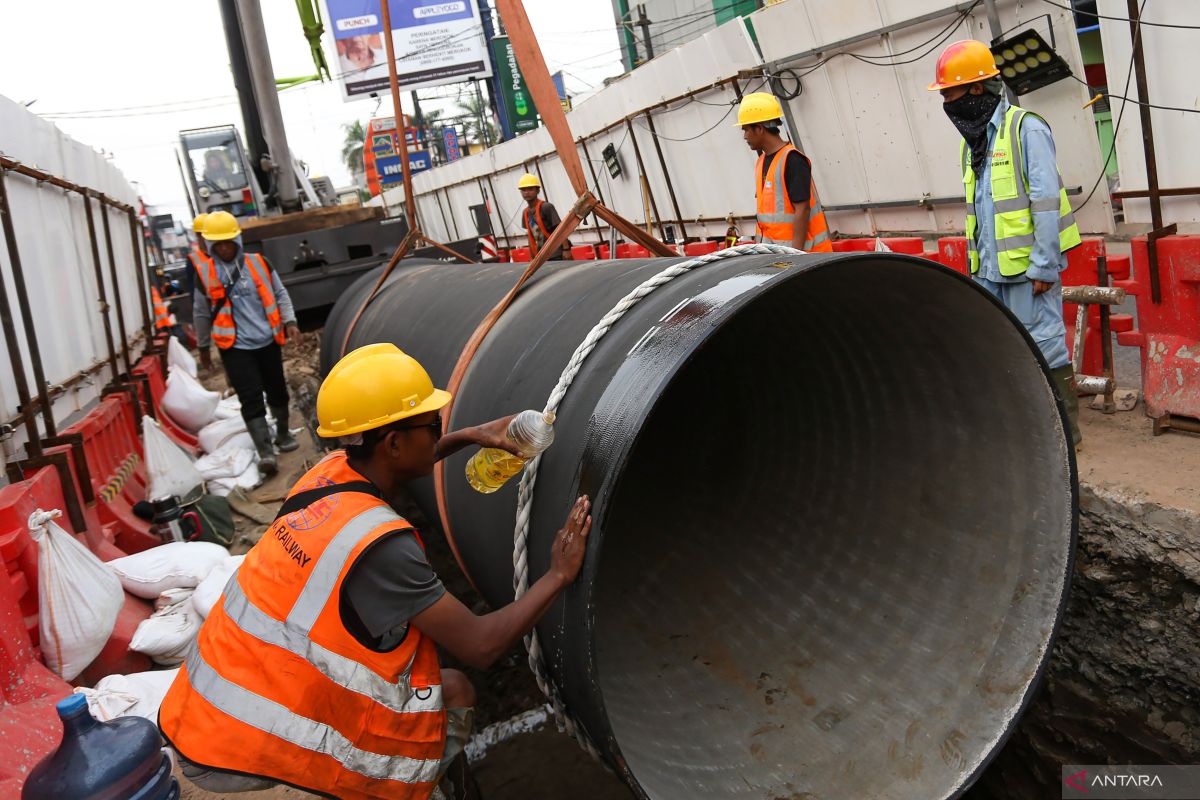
[834, 509]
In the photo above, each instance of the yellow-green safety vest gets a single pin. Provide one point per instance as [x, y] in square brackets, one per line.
[1010, 195]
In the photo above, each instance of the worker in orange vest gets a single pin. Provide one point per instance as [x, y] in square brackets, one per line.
[241, 305]
[163, 318]
[198, 256]
[318, 667]
[789, 208]
[539, 217]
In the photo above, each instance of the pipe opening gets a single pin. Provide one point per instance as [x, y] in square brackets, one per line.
[838, 550]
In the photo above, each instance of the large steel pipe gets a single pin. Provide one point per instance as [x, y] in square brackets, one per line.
[834, 511]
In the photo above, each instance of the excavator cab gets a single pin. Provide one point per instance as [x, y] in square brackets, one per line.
[217, 173]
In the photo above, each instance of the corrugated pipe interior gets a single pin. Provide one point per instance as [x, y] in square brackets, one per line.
[834, 511]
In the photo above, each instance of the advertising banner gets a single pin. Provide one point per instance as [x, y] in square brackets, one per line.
[436, 42]
[522, 115]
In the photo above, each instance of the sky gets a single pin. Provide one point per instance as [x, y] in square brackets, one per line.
[126, 77]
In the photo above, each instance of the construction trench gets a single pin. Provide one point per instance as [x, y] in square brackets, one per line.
[888, 653]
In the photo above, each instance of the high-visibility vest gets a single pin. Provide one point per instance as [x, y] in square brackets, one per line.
[1010, 194]
[777, 214]
[200, 261]
[276, 686]
[537, 214]
[163, 318]
[224, 330]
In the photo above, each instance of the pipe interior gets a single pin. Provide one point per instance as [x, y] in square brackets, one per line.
[837, 553]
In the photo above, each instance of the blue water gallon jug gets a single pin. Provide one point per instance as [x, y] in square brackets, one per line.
[118, 760]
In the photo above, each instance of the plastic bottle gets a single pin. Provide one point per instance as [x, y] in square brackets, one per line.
[118, 759]
[490, 468]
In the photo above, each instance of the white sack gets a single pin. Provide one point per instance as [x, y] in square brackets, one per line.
[138, 694]
[221, 487]
[209, 590]
[224, 432]
[175, 565]
[228, 461]
[169, 468]
[169, 632]
[189, 403]
[78, 598]
[178, 356]
[228, 407]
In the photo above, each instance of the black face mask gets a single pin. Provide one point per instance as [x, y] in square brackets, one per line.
[970, 114]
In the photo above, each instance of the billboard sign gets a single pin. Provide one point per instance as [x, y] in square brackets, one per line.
[522, 115]
[450, 142]
[436, 42]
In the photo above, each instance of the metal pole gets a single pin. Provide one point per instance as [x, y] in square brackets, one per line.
[256, 143]
[993, 16]
[1156, 221]
[662, 162]
[140, 268]
[1106, 351]
[644, 23]
[101, 293]
[637, 152]
[410, 203]
[116, 288]
[262, 76]
[10, 332]
[595, 182]
[483, 127]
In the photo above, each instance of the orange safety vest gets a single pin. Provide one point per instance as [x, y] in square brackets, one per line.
[276, 686]
[537, 213]
[199, 261]
[163, 318]
[776, 214]
[224, 330]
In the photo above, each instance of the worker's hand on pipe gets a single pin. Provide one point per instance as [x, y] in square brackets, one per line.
[570, 544]
[293, 334]
[1040, 287]
[495, 434]
[205, 358]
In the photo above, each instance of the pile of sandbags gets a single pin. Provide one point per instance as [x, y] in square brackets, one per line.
[135, 695]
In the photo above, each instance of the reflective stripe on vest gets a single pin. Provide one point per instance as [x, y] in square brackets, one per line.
[276, 686]
[777, 214]
[1010, 195]
[537, 213]
[224, 329]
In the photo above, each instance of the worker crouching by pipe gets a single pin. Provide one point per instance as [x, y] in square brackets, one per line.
[319, 668]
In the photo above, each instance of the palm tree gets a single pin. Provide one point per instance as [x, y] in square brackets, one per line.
[473, 107]
[352, 147]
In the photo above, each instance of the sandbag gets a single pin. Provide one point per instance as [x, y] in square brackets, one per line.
[225, 432]
[187, 402]
[169, 468]
[228, 461]
[209, 590]
[178, 356]
[138, 694]
[221, 487]
[175, 565]
[168, 633]
[78, 598]
[228, 407]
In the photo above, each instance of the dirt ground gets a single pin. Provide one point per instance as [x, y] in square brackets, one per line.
[1119, 453]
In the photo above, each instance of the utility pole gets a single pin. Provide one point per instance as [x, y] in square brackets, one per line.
[262, 76]
[644, 23]
[489, 33]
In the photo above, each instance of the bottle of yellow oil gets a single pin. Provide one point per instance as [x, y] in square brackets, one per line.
[491, 467]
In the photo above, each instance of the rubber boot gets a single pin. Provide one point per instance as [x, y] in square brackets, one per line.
[283, 437]
[1064, 381]
[260, 432]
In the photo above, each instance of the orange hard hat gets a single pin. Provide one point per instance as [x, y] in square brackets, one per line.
[963, 62]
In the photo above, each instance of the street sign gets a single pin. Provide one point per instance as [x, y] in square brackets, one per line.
[522, 114]
[450, 142]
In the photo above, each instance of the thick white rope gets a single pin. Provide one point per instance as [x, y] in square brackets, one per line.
[529, 476]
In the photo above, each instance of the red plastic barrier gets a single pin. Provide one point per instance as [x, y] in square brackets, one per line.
[701, 248]
[932, 255]
[583, 252]
[912, 245]
[632, 250]
[1168, 333]
[853, 245]
[29, 725]
[953, 252]
[1082, 271]
[522, 254]
[602, 250]
[41, 489]
[151, 369]
[503, 256]
[115, 461]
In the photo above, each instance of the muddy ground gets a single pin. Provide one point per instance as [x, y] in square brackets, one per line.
[1122, 686]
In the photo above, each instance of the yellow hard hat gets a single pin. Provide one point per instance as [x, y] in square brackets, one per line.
[221, 226]
[198, 223]
[374, 386]
[529, 181]
[963, 62]
[759, 107]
